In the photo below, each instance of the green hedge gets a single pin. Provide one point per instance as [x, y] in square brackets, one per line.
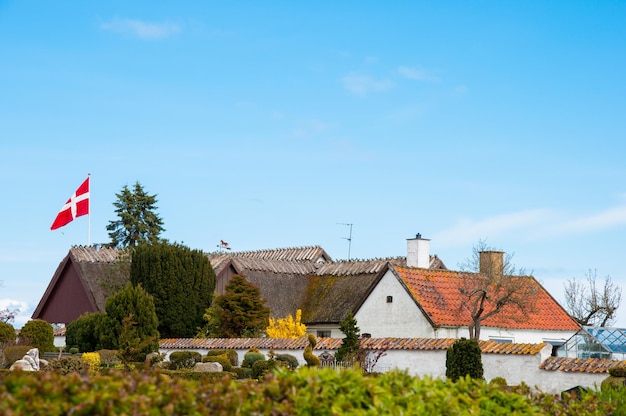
[304, 391]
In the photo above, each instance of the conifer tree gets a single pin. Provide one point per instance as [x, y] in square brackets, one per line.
[133, 306]
[239, 312]
[137, 220]
[463, 358]
[350, 345]
[182, 282]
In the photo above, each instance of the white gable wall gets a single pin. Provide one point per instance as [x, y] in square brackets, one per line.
[400, 318]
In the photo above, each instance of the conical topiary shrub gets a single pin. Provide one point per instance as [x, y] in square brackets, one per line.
[463, 358]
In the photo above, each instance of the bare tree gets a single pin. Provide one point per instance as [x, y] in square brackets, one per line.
[7, 316]
[492, 285]
[590, 304]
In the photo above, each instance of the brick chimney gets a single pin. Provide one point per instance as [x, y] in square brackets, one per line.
[418, 252]
[492, 263]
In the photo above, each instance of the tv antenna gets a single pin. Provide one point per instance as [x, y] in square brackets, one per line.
[349, 238]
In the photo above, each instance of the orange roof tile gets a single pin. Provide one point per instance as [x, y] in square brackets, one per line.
[580, 365]
[438, 293]
[369, 344]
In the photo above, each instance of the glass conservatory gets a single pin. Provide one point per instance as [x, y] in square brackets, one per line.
[596, 342]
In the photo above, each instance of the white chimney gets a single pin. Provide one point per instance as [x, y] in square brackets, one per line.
[418, 252]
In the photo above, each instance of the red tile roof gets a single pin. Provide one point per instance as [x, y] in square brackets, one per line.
[580, 365]
[370, 344]
[438, 293]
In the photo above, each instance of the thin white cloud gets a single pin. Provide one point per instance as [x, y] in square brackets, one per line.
[416, 73]
[469, 231]
[23, 312]
[537, 224]
[608, 218]
[142, 29]
[362, 85]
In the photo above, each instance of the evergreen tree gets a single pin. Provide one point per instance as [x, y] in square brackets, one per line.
[463, 358]
[181, 281]
[133, 306]
[239, 312]
[350, 345]
[39, 334]
[137, 220]
[90, 332]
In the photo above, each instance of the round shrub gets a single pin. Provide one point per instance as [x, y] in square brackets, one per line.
[7, 333]
[291, 361]
[251, 357]
[242, 373]
[498, 381]
[260, 367]
[231, 354]
[222, 359]
[184, 359]
[39, 334]
[618, 371]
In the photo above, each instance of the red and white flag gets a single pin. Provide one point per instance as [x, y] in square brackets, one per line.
[77, 205]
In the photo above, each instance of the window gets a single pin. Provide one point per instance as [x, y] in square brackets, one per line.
[503, 340]
[389, 299]
[366, 335]
[323, 334]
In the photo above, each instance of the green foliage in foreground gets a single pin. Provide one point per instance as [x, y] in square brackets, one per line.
[305, 391]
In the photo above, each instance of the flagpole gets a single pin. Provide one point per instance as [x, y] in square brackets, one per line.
[89, 213]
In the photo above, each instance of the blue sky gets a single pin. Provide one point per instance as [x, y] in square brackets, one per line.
[272, 124]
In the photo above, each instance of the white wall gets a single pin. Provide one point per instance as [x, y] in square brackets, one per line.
[518, 336]
[399, 319]
[515, 368]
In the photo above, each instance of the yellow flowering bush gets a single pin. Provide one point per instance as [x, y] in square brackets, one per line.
[91, 360]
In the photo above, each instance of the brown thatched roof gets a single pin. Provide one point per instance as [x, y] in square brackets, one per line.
[289, 279]
[104, 271]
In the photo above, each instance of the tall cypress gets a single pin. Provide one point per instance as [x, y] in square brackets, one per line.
[182, 282]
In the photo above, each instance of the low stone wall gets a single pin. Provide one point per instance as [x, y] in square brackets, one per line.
[516, 363]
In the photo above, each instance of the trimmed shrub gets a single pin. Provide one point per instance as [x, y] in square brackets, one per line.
[184, 359]
[39, 334]
[261, 367]
[66, 365]
[14, 353]
[463, 358]
[7, 333]
[231, 354]
[290, 361]
[498, 381]
[108, 358]
[251, 357]
[613, 383]
[222, 359]
[311, 359]
[618, 371]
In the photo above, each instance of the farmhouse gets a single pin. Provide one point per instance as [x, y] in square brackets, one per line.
[404, 297]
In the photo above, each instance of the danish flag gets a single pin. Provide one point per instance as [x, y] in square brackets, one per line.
[76, 206]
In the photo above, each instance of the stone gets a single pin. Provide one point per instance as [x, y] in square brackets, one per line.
[30, 362]
[208, 367]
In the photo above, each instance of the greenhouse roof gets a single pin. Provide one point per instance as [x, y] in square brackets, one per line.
[613, 339]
